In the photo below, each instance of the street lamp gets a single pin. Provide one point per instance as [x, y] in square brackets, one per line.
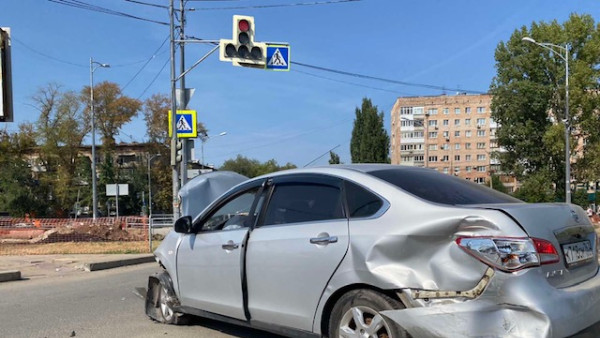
[205, 138]
[93, 66]
[551, 47]
[150, 157]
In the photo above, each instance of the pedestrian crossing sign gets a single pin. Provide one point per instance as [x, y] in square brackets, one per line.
[186, 123]
[278, 57]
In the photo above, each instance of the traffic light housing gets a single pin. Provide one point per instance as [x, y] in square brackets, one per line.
[242, 50]
[6, 103]
[179, 149]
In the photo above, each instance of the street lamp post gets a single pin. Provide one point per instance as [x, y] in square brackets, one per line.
[204, 139]
[93, 66]
[565, 57]
[150, 157]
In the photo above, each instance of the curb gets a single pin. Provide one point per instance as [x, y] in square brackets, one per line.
[103, 265]
[7, 276]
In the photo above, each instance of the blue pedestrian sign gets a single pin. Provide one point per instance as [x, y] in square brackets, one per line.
[186, 121]
[278, 57]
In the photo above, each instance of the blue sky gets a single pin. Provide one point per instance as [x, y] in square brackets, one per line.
[291, 116]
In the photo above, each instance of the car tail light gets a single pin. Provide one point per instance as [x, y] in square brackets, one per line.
[509, 254]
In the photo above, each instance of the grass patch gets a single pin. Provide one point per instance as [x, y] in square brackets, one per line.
[136, 247]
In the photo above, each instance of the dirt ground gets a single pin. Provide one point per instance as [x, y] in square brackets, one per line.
[77, 248]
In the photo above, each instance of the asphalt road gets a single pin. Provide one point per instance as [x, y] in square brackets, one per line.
[97, 304]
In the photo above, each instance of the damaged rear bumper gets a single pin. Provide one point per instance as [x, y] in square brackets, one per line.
[511, 306]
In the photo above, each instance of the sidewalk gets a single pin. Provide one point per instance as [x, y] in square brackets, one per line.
[43, 266]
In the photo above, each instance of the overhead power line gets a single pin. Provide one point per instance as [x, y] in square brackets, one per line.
[94, 8]
[369, 77]
[147, 62]
[154, 80]
[312, 3]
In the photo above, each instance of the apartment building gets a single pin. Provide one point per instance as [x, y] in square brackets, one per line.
[453, 134]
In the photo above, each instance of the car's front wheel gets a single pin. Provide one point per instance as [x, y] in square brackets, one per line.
[356, 314]
[166, 313]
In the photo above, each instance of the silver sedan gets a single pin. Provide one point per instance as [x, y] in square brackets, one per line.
[380, 251]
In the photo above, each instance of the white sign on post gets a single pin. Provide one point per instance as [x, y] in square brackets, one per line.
[117, 190]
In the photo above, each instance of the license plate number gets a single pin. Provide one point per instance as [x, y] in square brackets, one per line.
[578, 252]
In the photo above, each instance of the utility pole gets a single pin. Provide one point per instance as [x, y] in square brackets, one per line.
[174, 114]
[183, 100]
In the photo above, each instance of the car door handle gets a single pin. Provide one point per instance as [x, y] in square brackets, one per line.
[230, 246]
[324, 240]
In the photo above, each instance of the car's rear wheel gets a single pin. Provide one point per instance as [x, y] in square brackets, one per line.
[356, 314]
[166, 312]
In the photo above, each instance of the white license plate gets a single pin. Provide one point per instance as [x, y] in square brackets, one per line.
[578, 252]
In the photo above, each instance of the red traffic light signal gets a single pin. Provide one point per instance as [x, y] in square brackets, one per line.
[242, 50]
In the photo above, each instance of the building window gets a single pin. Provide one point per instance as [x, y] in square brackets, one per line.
[467, 122]
[457, 133]
[446, 111]
[432, 123]
[467, 157]
[432, 111]
[467, 110]
[456, 170]
[480, 180]
[445, 170]
[432, 134]
[406, 110]
[467, 145]
[445, 146]
[445, 122]
[432, 158]
[481, 122]
[457, 158]
[457, 122]
[457, 146]
[480, 145]
[481, 157]
[445, 158]
[480, 110]
[469, 169]
[481, 133]
[418, 110]
[468, 133]
[419, 158]
[481, 168]
[456, 111]
[445, 134]
[433, 147]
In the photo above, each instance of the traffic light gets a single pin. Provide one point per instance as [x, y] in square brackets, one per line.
[242, 50]
[6, 103]
[179, 148]
[176, 151]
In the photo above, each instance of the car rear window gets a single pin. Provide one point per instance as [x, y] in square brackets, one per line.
[439, 188]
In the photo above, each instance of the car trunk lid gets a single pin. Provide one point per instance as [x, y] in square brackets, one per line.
[568, 228]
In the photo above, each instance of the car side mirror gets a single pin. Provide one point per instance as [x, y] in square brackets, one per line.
[183, 225]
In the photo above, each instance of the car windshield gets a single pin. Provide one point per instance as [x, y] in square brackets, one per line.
[435, 187]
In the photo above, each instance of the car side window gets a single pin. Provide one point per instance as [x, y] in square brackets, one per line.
[361, 202]
[303, 202]
[234, 214]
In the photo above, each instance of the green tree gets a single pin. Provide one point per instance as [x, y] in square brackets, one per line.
[529, 99]
[537, 188]
[252, 168]
[20, 192]
[59, 131]
[497, 184]
[334, 158]
[370, 141]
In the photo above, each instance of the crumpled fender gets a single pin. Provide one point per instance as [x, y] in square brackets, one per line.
[166, 256]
